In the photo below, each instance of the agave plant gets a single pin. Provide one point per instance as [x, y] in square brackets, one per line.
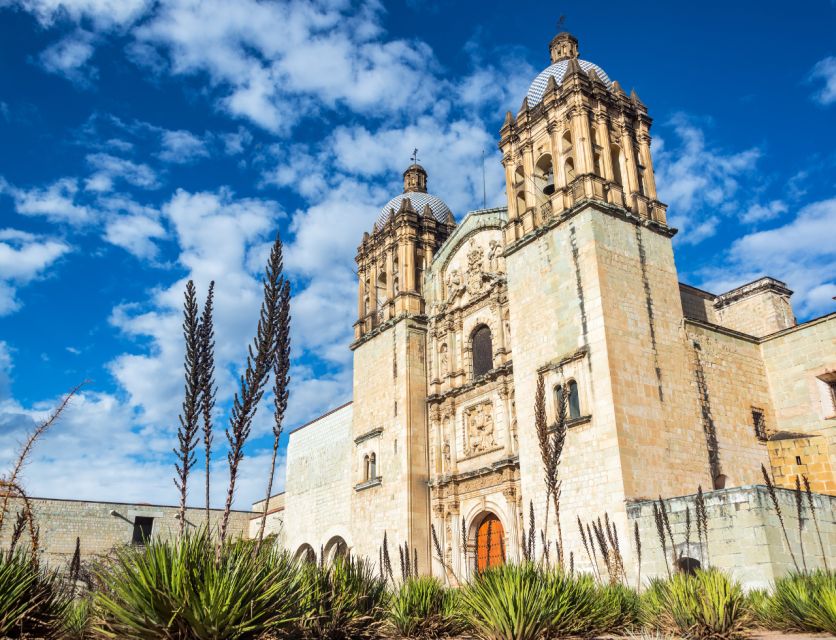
[77, 623]
[342, 599]
[177, 589]
[805, 602]
[706, 604]
[423, 608]
[32, 600]
[507, 602]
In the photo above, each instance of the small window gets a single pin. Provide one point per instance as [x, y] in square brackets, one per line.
[372, 467]
[482, 351]
[759, 424]
[142, 529]
[798, 460]
[574, 401]
[366, 468]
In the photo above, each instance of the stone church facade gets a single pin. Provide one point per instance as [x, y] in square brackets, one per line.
[670, 388]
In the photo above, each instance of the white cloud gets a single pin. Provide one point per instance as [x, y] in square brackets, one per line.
[23, 258]
[55, 202]
[700, 183]
[825, 71]
[68, 56]
[182, 147]
[135, 234]
[798, 252]
[108, 168]
[759, 213]
[105, 14]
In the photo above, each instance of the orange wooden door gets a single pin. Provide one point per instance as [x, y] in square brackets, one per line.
[490, 543]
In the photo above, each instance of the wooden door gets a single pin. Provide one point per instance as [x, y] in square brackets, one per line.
[490, 543]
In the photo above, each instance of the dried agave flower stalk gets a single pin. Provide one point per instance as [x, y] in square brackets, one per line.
[799, 510]
[815, 519]
[660, 532]
[638, 540]
[771, 490]
[208, 389]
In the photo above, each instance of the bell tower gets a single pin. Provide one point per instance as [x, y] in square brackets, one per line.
[594, 295]
[390, 462]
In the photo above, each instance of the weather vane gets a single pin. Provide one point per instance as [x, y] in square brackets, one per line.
[561, 22]
[415, 156]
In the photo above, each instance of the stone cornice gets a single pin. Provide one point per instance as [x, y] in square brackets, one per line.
[506, 368]
[511, 462]
[601, 207]
[374, 433]
[763, 284]
[420, 319]
[557, 363]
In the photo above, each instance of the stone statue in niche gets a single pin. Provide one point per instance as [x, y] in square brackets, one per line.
[443, 361]
[445, 456]
[495, 257]
[475, 268]
[480, 427]
[454, 285]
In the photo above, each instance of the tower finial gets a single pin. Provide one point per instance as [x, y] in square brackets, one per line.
[564, 45]
[415, 178]
[415, 156]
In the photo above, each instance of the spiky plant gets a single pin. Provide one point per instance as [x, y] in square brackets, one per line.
[422, 608]
[281, 385]
[187, 431]
[341, 600]
[207, 385]
[805, 602]
[812, 505]
[32, 600]
[78, 620]
[174, 589]
[260, 359]
[702, 605]
[774, 497]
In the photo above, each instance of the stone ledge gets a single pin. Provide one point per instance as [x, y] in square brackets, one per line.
[368, 435]
[368, 484]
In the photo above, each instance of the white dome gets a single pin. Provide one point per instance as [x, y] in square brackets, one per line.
[418, 200]
[557, 71]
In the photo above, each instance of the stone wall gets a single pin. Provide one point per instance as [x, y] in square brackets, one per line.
[804, 456]
[318, 484]
[758, 308]
[744, 534]
[103, 526]
[275, 519]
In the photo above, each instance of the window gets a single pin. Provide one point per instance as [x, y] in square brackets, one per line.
[574, 407]
[482, 351]
[569, 170]
[617, 161]
[759, 424]
[366, 468]
[544, 175]
[372, 467]
[142, 529]
[827, 390]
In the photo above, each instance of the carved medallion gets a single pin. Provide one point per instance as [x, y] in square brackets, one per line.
[479, 428]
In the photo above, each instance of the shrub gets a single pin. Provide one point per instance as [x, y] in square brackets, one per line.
[176, 589]
[804, 602]
[423, 608]
[32, 601]
[706, 604]
[508, 602]
[343, 599]
[77, 623]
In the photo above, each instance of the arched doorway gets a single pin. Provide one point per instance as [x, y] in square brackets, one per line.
[305, 554]
[336, 547]
[490, 543]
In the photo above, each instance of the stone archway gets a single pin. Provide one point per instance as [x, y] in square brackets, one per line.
[334, 548]
[490, 541]
[305, 554]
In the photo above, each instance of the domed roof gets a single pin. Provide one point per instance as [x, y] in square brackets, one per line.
[557, 71]
[418, 200]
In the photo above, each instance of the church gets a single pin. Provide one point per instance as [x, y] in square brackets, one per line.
[670, 388]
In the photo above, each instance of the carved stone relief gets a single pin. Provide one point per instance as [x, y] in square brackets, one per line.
[479, 428]
[475, 269]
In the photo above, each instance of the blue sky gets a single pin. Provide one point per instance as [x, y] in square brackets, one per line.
[148, 142]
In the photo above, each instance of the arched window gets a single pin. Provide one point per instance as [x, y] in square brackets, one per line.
[574, 408]
[642, 189]
[520, 201]
[381, 289]
[569, 169]
[596, 162]
[372, 467]
[544, 175]
[617, 163]
[366, 468]
[482, 351]
[419, 269]
[519, 175]
[566, 142]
